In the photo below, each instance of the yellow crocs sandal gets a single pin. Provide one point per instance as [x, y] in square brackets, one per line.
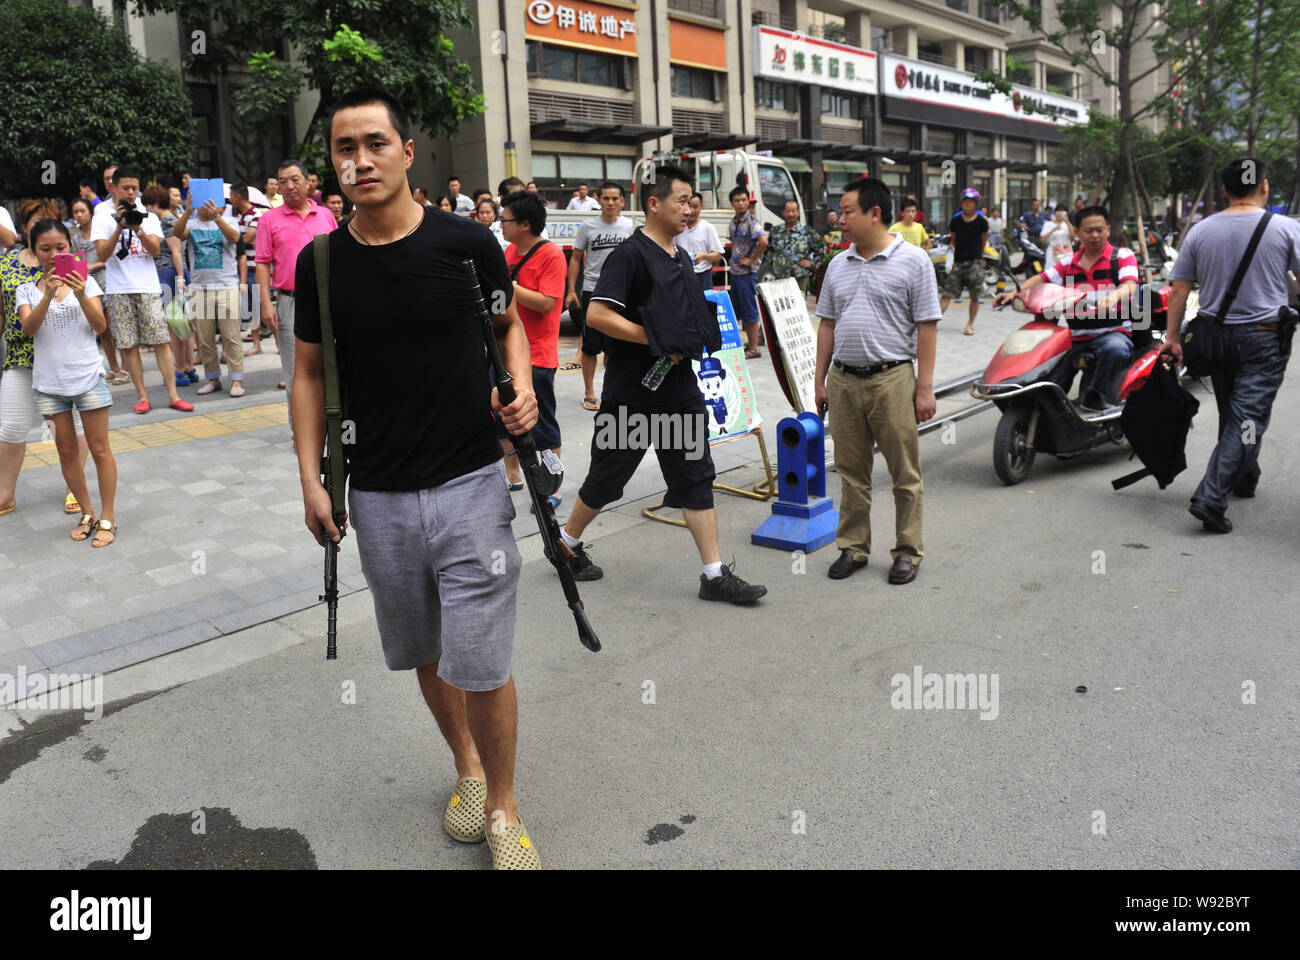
[70, 504]
[512, 849]
[464, 818]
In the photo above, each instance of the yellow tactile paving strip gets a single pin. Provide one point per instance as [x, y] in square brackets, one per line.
[179, 430]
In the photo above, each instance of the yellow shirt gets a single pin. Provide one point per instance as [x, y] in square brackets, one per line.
[912, 234]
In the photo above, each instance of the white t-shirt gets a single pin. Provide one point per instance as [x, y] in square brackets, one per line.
[7, 222]
[66, 360]
[136, 272]
[464, 206]
[591, 203]
[701, 238]
[213, 263]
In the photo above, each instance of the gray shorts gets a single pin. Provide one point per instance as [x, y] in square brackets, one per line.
[442, 567]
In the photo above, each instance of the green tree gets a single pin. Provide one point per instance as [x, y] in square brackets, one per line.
[78, 98]
[399, 45]
[1104, 38]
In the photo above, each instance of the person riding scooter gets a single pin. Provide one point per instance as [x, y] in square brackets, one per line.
[1100, 324]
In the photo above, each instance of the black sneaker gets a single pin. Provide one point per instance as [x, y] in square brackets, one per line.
[727, 586]
[580, 564]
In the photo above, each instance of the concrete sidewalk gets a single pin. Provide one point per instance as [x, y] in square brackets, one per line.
[210, 515]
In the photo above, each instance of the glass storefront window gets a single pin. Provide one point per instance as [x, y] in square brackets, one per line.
[577, 169]
[545, 170]
[1058, 191]
[940, 200]
[1020, 194]
[897, 183]
[619, 169]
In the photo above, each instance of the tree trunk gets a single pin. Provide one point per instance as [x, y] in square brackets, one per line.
[1252, 123]
[1119, 182]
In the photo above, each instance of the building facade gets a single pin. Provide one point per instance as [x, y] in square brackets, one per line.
[578, 90]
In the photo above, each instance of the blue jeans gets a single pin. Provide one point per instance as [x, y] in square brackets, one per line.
[1244, 390]
[1111, 351]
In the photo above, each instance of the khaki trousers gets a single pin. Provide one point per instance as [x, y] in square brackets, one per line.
[218, 308]
[865, 411]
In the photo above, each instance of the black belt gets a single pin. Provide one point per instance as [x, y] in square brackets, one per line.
[284, 293]
[872, 370]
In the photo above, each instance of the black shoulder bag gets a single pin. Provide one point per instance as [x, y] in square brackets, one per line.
[1203, 335]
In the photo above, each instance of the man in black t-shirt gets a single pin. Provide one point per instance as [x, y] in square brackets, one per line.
[970, 232]
[647, 294]
[427, 491]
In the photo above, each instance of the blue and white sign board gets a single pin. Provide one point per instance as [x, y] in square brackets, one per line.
[724, 381]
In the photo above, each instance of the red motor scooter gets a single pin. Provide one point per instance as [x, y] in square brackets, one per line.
[1021, 379]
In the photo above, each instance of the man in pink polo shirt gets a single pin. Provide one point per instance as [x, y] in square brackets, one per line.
[282, 232]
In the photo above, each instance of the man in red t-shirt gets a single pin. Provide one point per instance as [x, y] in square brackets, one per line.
[540, 274]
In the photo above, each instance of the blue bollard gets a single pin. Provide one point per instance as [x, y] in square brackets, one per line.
[802, 517]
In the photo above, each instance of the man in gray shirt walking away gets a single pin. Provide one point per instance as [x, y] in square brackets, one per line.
[878, 312]
[594, 241]
[1257, 329]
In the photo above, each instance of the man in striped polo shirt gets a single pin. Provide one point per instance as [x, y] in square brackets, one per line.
[878, 312]
[1099, 323]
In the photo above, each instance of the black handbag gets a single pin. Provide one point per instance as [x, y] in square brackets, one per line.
[1203, 336]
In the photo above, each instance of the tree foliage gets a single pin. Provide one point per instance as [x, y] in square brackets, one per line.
[399, 45]
[80, 97]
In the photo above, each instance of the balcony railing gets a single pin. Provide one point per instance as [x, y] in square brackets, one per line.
[563, 106]
[702, 8]
[938, 58]
[696, 121]
[846, 136]
[835, 32]
[778, 20]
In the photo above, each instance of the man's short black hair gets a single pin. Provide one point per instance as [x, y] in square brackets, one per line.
[583, 184]
[661, 185]
[86, 182]
[525, 206]
[239, 190]
[332, 193]
[364, 96]
[480, 192]
[789, 201]
[509, 185]
[288, 162]
[872, 193]
[738, 191]
[611, 185]
[698, 196]
[907, 202]
[1096, 210]
[1243, 177]
[125, 173]
[453, 177]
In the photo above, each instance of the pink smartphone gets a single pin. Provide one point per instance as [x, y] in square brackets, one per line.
[66, 263]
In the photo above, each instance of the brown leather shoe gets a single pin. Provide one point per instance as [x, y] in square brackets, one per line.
[845, 566]
[903, 570]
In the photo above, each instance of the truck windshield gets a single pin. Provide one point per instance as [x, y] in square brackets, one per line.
[775, 187]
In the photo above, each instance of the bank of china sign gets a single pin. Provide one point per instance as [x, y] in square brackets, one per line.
[927, 83]
[795, 58]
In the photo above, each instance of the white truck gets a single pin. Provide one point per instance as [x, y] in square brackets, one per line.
[714, 174]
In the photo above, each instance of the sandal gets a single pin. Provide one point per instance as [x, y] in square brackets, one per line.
[752, 354]
[571, 365]
[183, 405]
[281, 385]
[70, 504]
[88, 522]
[511, 848]
[465, 817]
[969, 332]
[120, 377]
[590, 403]
[104, 527]
[142, 407]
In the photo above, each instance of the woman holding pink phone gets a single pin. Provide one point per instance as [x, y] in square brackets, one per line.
[62, 314]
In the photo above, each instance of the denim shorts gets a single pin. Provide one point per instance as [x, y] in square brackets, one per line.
[442, 568]
[96, 398]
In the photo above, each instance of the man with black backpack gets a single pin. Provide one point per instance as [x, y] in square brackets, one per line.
[1246, 323]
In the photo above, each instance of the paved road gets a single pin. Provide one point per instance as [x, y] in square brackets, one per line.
[773, 738]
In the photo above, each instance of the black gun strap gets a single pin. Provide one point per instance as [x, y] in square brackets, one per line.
[514, 271]
[1240, 275]
[333, 405]
[1130, 478]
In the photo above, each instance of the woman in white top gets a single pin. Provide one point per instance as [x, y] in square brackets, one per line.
[62, 316]
[1058, 237]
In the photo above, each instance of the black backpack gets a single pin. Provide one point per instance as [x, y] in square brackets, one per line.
[1155, 421]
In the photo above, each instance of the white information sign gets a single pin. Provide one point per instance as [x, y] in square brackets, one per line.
[795, 339]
